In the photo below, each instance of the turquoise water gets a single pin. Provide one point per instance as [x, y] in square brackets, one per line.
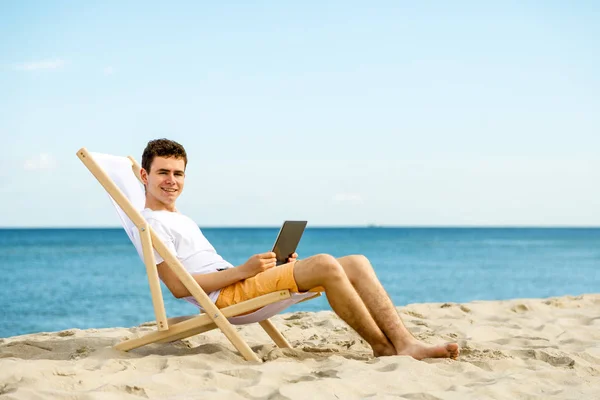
[54, 279]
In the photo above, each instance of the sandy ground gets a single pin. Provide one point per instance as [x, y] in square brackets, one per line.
[517, 349]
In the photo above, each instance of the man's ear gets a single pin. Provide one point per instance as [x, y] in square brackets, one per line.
[144, 176]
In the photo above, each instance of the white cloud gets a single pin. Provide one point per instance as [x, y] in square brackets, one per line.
[44, 64]
[347, 198]
[40, 162]
[109, 70]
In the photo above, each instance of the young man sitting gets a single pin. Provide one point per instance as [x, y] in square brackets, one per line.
[351, 286]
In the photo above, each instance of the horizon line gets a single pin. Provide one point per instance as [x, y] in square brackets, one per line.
[368, 226]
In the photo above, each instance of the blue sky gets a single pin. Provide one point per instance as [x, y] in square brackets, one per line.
[341, 113]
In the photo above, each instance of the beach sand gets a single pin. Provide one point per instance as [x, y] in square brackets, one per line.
[516, 349]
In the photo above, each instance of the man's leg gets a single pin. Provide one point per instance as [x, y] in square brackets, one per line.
[363, 278]
[324, 270]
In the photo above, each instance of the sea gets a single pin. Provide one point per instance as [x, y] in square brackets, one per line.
[56, 279]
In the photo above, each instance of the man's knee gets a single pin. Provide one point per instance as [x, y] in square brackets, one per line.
[356, 266]
[355, 259]
[361, 260]
[318, 270]
[328, 266]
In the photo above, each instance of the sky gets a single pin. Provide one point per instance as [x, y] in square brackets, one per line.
[341, 113]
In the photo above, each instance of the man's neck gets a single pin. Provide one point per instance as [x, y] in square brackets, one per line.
[157, 206]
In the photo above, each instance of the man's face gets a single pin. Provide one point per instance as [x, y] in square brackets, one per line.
[164, 182]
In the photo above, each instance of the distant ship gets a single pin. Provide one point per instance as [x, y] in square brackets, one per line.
[373, 226]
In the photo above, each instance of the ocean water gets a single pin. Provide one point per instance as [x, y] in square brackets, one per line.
[55, 279]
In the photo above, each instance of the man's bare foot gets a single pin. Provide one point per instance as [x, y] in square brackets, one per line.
[384, 351]
[420, 351]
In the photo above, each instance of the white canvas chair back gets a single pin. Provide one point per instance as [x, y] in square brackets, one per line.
[120, 171]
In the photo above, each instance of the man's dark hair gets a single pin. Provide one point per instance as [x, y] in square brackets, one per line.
[162, 148]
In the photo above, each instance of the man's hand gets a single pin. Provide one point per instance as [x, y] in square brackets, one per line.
[258, 263]
[293, 258]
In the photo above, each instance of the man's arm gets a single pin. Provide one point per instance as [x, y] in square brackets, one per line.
[217, 280]
[209, 282]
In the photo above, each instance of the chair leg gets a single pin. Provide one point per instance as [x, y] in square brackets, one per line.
[274, 333]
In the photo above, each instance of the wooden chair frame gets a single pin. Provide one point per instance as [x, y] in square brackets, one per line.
[181, 327]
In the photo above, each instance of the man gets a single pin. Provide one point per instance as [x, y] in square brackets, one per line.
[351, 286]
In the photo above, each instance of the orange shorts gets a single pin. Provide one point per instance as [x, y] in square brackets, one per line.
[271, 280]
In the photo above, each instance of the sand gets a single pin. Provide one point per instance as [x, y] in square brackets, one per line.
[516, 349]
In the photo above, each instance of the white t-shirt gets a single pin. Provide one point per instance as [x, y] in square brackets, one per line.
[183, 237]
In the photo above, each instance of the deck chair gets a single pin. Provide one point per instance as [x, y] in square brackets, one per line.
[120, 176]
